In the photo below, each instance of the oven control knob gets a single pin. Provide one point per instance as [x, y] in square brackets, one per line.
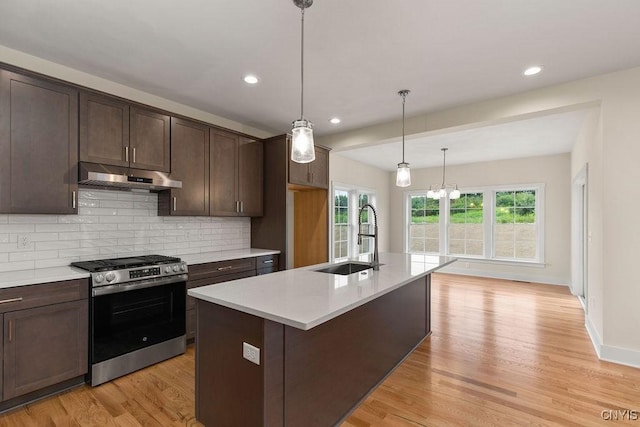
[167, 269]
[183, 267]
[98, 278]
[175, 268]
[110, 277]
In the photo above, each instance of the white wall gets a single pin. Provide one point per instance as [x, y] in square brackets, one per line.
[346, 171]
[112, 224]
[614, 289]
[48, 68]
[553, 171]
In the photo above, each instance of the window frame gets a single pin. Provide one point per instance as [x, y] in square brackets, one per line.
[488, 217]
[354, 193]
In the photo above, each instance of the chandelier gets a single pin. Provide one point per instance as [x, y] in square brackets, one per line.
[439, 191]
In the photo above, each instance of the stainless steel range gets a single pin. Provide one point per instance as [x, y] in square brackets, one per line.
[137, 313]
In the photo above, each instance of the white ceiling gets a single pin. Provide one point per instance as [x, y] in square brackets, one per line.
[550, 134]
[359, 53]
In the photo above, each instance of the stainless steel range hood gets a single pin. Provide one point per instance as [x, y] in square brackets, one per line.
[94, 174]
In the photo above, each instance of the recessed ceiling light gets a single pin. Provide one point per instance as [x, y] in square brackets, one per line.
[334, 121]
[532, 70]
[251, 79]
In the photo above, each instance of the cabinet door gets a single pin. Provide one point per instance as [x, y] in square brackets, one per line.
[319, 169]
[224, 174]
[189, 164]
[250, 167]
[44, 346]
[149, 140]
[298, 172]
[104, 130]
[38, 145]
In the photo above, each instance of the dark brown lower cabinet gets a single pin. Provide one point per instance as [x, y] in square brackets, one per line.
[305, 378]
[44, 346]
[45, 339]
[223, 271]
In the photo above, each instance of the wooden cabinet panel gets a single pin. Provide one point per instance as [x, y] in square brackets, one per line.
[319, 169]
[313, 174]
[224, 173]
[236, 175]
[191, 324]
[44, 346]
[24, 297]
[149, 140]
[220, 268]
[104, 130]
[250, 177]
[189, 164]
[38, 145]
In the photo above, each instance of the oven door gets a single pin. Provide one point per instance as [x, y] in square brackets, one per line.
[133, 318]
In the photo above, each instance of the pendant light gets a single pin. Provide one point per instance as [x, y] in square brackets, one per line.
[443, 190]
[302, 149]
[403, 176]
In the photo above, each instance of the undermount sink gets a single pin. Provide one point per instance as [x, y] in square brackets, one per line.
[345, 268]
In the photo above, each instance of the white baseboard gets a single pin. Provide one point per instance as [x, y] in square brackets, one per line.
[619, 355]
[451, 269]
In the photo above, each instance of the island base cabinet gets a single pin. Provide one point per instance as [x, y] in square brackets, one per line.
[311, 378]
[44, 346]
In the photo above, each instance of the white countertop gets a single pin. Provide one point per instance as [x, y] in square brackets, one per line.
[10, 279]
[304, 298]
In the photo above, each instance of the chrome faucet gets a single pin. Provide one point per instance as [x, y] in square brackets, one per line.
[376, 262]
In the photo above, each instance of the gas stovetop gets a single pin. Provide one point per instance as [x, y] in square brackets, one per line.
[122, 263]
[144, 270]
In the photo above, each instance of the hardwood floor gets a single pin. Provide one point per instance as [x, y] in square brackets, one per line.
[502, 353]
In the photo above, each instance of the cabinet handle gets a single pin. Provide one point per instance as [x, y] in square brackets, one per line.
[10, 330]
[126, 154]
[241, 207]
[228, 267]
[7, 301]
[73, 199]
[134, 154]
[175, 204]
[269, 261]
[237, 206]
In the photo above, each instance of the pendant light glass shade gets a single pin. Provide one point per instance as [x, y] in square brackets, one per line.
[403, 176]
[302, 149]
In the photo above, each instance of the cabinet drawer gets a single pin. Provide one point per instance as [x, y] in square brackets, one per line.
[267, 262]
[221, 268]
[22, 297]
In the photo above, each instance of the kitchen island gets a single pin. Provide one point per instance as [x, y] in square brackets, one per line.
[324, 340]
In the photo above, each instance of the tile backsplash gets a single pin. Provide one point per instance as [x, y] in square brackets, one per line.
[112, 224]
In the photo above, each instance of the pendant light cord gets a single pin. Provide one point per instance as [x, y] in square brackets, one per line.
[404, 97]
[302, 68]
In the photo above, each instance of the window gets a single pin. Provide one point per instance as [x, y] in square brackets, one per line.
[365, 245]
[501, 223]
[347, 202]
[424, 224]
[466, 228]
[341, 224]
[515, 231]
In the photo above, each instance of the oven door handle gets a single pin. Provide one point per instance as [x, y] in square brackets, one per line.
[149, 283]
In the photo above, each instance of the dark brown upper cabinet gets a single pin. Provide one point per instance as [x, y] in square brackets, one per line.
[38, 145]
[189, 164]
[117, 133]
[236, 175]
[313, 174]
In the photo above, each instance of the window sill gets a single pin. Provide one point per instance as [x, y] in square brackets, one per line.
[536, 264]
